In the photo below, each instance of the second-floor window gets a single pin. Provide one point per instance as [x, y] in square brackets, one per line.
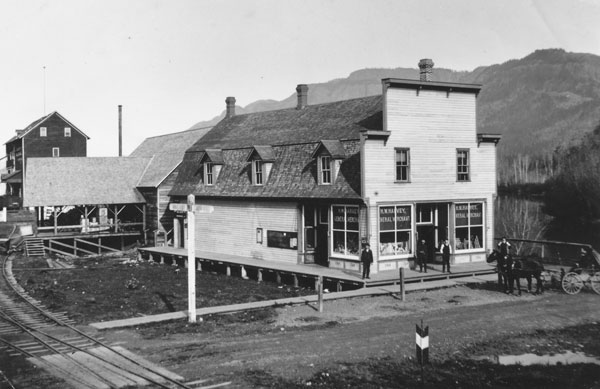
[55, 152]
[43, 131]
[257, 172]
[402, 165]
[209, 175]
[325, 169]
[67, 132]
[462, 165]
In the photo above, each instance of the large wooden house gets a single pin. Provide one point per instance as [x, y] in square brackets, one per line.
[49, 136]
[311, 184]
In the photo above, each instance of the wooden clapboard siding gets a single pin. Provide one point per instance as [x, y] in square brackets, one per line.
[151, 209]
[231, 228]
[432, 125]
[164, 216]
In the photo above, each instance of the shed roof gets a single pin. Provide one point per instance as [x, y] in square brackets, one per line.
[167, 153]
[83, 180]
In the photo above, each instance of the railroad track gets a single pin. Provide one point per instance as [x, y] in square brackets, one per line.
[51, 341]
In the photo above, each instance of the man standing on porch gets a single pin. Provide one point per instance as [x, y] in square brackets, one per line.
[367, 259]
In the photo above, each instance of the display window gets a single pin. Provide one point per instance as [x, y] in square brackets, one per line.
[468, 226]
[395, 230]
[346, 240]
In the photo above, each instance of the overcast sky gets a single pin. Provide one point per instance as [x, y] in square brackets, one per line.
[172, 63]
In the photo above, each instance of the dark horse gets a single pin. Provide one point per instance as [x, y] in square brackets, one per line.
[512, 268]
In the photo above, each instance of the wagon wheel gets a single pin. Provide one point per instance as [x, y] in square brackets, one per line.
[595, 281]
[572, 283]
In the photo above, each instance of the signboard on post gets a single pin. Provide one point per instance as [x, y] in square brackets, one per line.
[180, 207]
[191, 202]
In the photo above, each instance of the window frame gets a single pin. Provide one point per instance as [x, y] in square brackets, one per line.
[258, 172]
[345, 231]
[463, 170]
[67, 132]
[406, 166]
[469, 226]
[410, 230]
[55, 152]
[325, 172]
[43, 132]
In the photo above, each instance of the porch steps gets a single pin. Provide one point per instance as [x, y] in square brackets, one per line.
[34, 247]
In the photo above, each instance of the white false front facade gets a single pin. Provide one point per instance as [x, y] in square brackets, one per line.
[411, 178]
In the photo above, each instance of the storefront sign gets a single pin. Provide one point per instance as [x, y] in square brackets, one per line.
[403, 218]
[465, 212]
[394, 218]
[461, 212]
[339, 218]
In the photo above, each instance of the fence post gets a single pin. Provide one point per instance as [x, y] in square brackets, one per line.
[320, 283]
[402, 292]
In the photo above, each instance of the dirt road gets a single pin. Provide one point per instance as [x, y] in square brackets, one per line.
[301, 341]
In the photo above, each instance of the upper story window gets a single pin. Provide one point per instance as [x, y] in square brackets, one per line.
[402, 165]
[258, 172]
[325, 172]
[56, 152]
[209, 173]
[462, 165]
[43, 131]
[67, 132]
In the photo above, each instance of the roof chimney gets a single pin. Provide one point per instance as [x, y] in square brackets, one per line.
[302, 91]
[230, 102]
[425, 66]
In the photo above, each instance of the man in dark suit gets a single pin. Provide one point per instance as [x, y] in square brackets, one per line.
[366, 257]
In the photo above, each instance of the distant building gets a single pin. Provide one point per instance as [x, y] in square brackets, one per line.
[312, 184]
[50, 136]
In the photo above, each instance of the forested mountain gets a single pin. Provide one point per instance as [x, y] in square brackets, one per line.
[547, 99]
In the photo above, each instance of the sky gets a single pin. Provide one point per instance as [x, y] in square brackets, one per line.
[172, 63]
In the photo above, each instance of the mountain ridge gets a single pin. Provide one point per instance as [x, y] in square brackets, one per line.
[545, 100]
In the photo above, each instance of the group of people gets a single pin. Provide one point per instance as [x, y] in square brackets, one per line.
[366, 257]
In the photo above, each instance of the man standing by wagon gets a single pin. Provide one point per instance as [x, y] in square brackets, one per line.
[366, 257]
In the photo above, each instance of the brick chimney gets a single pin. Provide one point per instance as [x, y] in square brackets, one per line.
[230, 102]
[302, 91]
[425, 69]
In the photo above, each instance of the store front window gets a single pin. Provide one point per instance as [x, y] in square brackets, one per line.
[345, 230]
[468, 226]
[395, 228]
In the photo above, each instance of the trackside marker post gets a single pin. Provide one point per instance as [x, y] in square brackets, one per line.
[191, 202]
[422, 347]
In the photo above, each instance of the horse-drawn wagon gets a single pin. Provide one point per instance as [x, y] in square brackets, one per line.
[581, 272]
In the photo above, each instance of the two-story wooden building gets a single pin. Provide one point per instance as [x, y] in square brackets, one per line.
[311, 184]
[50, 136]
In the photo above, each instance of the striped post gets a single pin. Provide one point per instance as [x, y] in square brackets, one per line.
[422, 339]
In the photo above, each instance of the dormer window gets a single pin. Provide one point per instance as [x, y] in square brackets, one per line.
[257, 172]
[329, 155]
[325, 172]
[261, 159]
[209, 178]
[212, 162]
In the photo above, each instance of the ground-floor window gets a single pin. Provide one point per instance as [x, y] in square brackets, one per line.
[468, 218]
[345, 230]
[395, 229]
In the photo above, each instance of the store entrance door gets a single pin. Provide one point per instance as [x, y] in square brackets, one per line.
[315, 235]
[432, 225]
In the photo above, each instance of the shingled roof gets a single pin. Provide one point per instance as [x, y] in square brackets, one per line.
[292, 136]
[83, 180]
[166, 152]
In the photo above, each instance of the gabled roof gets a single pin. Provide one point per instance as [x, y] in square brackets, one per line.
[37, 123]
[167, 153]
[342, 120]
[332, 147]
[83, 180]
[213, 156]
[264, 153]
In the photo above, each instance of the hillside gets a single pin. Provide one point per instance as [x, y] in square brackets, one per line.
[544, 100]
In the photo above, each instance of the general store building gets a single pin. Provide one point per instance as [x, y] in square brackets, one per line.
[312, 184]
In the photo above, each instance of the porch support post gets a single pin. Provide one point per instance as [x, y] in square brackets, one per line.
[260, 275]
[55, 222]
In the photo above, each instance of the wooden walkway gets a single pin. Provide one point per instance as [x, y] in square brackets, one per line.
[342, 280]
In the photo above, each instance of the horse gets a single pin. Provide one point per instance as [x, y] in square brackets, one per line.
[512, 268]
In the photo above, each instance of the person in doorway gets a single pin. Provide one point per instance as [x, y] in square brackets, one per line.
[504, 247]
[445, 250]
[366, 257]
[422, 255]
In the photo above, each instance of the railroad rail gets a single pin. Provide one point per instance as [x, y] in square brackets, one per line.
[51, 341]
